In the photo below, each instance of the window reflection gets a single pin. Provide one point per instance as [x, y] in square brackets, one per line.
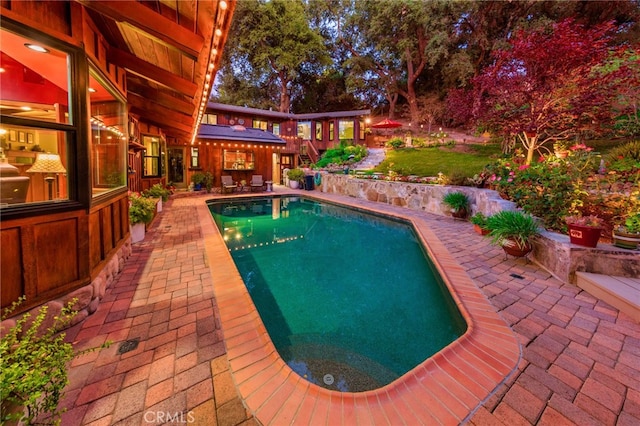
[108, 136]
[35, 86]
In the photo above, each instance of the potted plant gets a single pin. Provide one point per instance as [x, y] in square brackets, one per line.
[158, 193]
[560, 148]
[208, 181]
[295, 177]
[628, 235]
[458, 202]
[34, 361]
[198, 179]
[512, 230]
[479, 221]
[584, 230]
[141, 211]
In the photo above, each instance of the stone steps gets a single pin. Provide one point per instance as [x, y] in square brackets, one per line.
[620, 292]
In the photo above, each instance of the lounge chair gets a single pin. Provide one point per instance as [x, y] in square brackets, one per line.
[257, 182]
[227, 184]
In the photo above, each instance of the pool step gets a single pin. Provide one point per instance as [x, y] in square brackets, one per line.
[620, 292]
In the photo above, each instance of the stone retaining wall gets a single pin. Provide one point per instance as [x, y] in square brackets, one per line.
[553, 251]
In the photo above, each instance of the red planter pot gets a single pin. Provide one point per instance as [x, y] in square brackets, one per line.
[480, 231]
[584, 235]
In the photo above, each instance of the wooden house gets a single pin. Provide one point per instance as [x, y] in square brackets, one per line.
[92, 94]
[267, 141]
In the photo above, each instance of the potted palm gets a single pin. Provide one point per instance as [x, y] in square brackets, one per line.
[512, 230]
[628, 235]
[198, 179]
[584, 230]
[458, 202]
[479, 221]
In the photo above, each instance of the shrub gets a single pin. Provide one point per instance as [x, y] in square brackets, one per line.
[296, 174]
[141, 209]
[198, 178]
[34, 364]
[395, 143]
[456, 200]
[511, 225]
[157, 191]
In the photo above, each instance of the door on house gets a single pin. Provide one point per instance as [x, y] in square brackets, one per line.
[177, 167]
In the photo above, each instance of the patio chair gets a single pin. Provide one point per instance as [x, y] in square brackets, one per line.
[227, 184]
[257, 182]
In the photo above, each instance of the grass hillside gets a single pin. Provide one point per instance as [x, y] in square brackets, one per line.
[464, 160]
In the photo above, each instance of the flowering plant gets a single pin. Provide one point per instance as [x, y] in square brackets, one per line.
[588, 221]
[141, 209]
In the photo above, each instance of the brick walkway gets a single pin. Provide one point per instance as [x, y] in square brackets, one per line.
[581, 357]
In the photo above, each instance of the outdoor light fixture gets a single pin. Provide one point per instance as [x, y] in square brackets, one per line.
[49, 164]
[223, 5]
[36, 48]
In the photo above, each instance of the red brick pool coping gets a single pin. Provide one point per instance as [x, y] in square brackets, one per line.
[446, 388]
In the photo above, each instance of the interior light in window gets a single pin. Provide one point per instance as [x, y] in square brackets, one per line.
[36, 48]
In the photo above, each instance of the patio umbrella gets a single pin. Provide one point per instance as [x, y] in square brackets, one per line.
[386, 124]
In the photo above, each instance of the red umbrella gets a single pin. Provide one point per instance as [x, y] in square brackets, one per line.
[386, 124]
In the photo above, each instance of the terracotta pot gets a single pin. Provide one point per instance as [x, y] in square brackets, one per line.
[459, 213]
[625, 240]
[562, 154]
[512, 248]
[584, 235]
[480, 231]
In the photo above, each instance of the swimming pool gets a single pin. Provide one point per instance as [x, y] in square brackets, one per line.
[444, 389]
[349, 299]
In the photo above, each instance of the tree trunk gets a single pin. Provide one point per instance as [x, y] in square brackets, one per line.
[531, 148]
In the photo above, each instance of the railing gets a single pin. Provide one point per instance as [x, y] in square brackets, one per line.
[312, 151]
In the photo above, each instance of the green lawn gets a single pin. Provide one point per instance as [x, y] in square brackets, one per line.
[447, 160]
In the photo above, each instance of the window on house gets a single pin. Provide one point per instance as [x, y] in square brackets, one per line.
[304, 130]
[276, 129]
[195, 158]
[346, 129]
[332, 134]
[259, 124]
[210, 119]
[37, 125]
[238, 159]
[318, 131]
[152, 164]
[108, 135]
[362, 129]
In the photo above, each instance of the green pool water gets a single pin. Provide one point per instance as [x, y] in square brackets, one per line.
[349, 299]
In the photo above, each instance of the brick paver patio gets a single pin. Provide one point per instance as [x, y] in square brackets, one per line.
[580, 365]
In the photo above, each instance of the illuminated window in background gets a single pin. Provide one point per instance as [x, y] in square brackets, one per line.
[260, 124]
[35, 86]
[276, 129]
[362, 129]
[304, 130]
[210, 119]
[152, 162]
[195, 159]
[108, 135]
[345, 129]
[332, 134]
[318, 131]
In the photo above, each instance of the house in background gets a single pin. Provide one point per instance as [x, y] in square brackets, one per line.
[242, 141]
[91, 94]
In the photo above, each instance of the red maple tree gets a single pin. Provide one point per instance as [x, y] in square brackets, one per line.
[548, 84]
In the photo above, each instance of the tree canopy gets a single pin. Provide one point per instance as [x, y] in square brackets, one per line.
[408, 55]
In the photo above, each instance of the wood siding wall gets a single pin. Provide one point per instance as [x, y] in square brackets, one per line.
[46, 256]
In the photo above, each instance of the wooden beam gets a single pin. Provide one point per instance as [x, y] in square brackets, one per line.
[154, 25]
[151, 72]
[159, 97]
[159, 114]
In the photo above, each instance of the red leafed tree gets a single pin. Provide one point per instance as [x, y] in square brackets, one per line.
[543, 86]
